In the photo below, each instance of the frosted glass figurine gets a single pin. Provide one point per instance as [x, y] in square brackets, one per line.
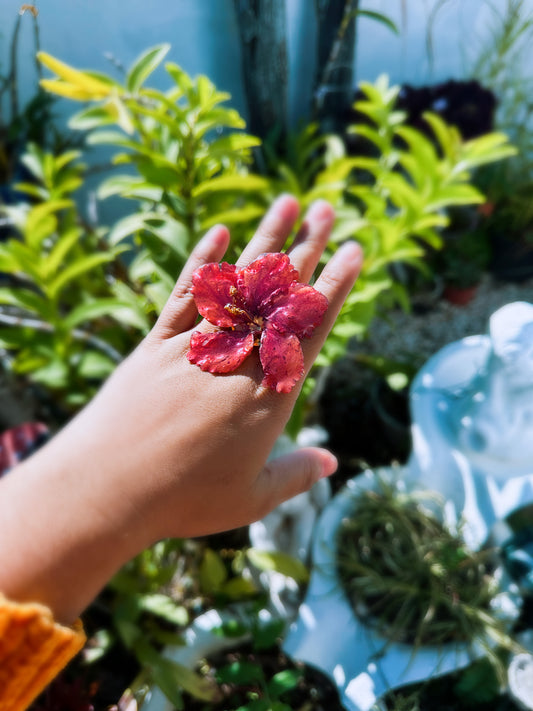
[472, 411]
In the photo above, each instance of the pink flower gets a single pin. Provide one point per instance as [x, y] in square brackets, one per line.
[261, 305]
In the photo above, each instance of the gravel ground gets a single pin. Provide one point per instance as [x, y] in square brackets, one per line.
[427, 333]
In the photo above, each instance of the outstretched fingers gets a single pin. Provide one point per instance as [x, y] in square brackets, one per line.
[179, 313]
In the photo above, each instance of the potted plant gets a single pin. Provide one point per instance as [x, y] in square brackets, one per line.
[463, 261]
[396, 597]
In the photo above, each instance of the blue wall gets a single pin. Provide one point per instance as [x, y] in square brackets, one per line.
[204, 39]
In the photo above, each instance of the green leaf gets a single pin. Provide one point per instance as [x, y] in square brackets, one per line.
[445, 135]
[163, 606]
[76, 269]
[278, 562]
[129, 186]
[95, 365]
[26, 260]
[95, 309]
[378, 17]
[54, 260]
[240, 672]
[231, 143]
[238, 588]
[478, 683]
[34, 191]
[371, 134]
[237, 183]
[65, 158]
[455, 195]
[41, 221]
[283, 681]
[267, 635]
[259, 705]
[213, 572]
[236, 216]
[93, 117]
[180, 77]
[27, 301]
[171, 232]
[171, 677]
[54, 374]
[144, 66]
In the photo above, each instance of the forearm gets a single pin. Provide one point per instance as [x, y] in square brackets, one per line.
[64, 534]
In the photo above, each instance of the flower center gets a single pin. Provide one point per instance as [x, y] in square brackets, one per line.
[255, 323]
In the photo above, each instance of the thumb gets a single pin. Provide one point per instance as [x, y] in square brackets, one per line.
[289, 475]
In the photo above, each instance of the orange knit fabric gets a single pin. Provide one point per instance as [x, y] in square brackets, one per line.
[33, 650]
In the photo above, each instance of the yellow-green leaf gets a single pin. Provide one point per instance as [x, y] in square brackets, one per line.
[278, 562]
[94, 88]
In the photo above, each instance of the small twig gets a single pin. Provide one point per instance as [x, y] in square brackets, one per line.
[78, 334]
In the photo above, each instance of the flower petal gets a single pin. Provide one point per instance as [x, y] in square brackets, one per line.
[264, 275]
[220, 352]
[299, 310]
[282, 359]
[213, 288]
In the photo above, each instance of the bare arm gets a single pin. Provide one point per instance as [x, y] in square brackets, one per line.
[165, 449]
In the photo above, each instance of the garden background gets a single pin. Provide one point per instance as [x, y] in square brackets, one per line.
[100, 207]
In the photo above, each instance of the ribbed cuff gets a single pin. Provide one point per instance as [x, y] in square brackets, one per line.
[33, 650]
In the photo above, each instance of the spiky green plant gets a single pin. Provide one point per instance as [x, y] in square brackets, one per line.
[414, 577]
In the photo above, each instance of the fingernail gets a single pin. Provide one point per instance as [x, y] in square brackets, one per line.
[350, 252]
[329, 463]
[321, 210]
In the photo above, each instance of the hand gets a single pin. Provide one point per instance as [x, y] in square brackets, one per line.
[166, 449]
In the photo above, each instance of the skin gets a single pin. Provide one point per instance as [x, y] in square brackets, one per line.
[165, 449]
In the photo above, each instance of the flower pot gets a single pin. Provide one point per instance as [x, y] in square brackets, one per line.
[328, 634]
[459, 295]
[392, 410]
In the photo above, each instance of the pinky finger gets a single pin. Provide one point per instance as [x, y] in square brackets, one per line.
[179, 313]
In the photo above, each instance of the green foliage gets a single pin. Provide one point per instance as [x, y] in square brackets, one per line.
[146, 615]
[279, 562]
[187, 158]
[478, 684]
[248, 685]
[501, 64]
[399, 198]
[58, 311]
[188, 167]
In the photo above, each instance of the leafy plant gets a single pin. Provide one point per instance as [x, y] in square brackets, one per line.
[246, 681]
[191, 169]
[20, 124]
[500, 63]
[393, 197]
[414, 578]
[189, 156]
[402, 193]
[64, 293]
